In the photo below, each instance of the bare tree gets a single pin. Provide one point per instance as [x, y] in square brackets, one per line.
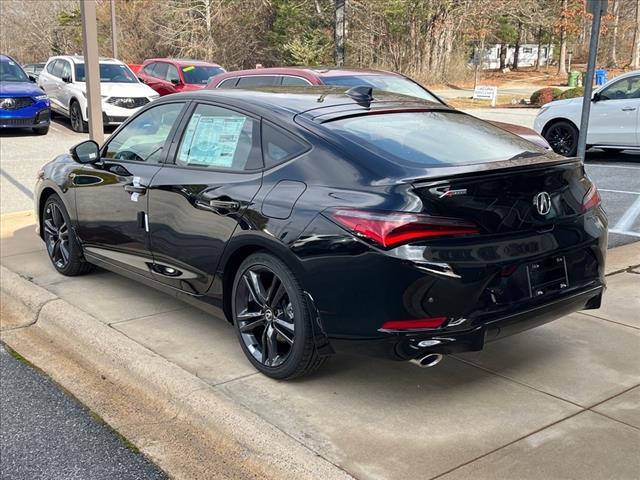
[562, 61]
[635, 51]
[613, 60]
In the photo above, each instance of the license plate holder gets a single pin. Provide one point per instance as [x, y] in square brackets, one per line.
[547, 276]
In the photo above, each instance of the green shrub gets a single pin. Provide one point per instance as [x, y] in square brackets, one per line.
[572, 93]
[545, 95]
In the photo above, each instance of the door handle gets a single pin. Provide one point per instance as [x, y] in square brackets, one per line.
[135, 189]
[225, 205]
[628, 109]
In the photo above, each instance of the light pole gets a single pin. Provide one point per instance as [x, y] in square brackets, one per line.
[92, 69]
[114, 31]
[595, 7]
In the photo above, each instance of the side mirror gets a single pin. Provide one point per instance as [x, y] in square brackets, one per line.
[140, 79]
[176, 81]
[596, 97]
[32, 78]
[86, 152]
[66, 79]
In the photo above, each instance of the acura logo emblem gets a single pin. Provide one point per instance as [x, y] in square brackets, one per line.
[542, 201]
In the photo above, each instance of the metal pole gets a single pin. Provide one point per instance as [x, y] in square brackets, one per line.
[92, 68]
[595, 7]
[114, 30]
[340, 32]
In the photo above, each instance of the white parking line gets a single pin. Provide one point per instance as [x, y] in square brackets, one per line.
[627, 232]
[618, 191]
[611, 166]
[626, 221]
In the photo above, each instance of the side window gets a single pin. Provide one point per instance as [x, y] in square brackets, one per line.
[295, 82]
[172, 73]
[278, 146]
[160, 70]
[148, 70]
[50, 66]
[623, 90]
[228, 83]
[258, 81]
[143, 139]
[57, 68]
[66, 70]
[220, 138]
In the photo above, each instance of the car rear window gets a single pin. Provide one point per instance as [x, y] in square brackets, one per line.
[432, 138]
[386, 83]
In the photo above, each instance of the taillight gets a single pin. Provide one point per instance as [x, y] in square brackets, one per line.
[591, 199]
[434, 322]
[390, 229]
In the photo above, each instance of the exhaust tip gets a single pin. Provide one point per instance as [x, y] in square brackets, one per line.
[427, 361]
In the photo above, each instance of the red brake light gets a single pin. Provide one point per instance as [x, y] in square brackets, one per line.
[434, 322]
[591, 199]
[390, 229]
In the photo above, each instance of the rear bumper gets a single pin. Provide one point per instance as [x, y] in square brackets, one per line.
[405, 346]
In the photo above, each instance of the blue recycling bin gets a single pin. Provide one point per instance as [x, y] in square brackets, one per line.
[601, 77]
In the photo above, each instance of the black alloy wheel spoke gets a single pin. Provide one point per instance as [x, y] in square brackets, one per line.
[56, 234]
[265, 316]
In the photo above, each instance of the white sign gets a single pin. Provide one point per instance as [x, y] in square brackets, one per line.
[486, 93]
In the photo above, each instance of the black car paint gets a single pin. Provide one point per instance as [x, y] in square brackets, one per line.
[352, 286]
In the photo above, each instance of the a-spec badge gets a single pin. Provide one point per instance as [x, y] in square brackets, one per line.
[445, 191]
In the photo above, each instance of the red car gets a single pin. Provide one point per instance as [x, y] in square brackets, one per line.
[379, 79]
[167, 75]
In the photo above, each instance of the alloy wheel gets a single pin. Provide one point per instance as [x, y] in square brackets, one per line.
[561, 139]
[265, 316]
[56, 235]
[76, 118]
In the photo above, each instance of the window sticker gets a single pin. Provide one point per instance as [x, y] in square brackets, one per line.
[211, 141]
[188, 69]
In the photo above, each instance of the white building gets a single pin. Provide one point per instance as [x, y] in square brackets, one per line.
[526, 58]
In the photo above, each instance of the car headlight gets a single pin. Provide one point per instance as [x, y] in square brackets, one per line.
[40, 97]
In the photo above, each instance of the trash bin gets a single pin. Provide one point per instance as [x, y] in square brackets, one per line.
[601, 77]
[574, 77]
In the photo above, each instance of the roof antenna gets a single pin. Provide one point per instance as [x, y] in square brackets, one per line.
[361, 94]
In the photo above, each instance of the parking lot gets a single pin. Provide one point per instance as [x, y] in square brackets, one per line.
[617, 175]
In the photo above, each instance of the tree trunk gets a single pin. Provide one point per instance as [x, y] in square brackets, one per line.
[562, 61]
[340, 31]
[503, 56]
[613, 60]
[516, 54]
[539, 57]
[635, 52]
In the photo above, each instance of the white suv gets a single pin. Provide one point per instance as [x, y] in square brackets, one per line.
[614, 121]
[63, 79]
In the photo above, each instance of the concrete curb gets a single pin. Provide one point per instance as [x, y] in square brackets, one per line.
[183, 424]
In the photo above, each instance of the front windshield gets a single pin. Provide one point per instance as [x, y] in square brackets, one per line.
[386, 83]
[109, 73]
[200, 75]
[12, 72]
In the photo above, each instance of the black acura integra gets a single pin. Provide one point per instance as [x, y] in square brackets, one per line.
[318, 220]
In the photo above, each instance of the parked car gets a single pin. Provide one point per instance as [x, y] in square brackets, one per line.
[22, 103]
[377, 79]
[319, 220]
[614, 121]
[166, 75]
[34, 69]
[63, 78]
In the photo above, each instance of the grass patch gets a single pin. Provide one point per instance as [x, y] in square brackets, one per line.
[128, 445]
[19, 357]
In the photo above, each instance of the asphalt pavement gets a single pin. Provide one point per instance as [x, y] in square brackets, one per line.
[46, 434]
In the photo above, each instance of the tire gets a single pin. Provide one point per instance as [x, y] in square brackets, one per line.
[75, 116]
[562, 137]
[62, 245]
[41, 130]
[272, 319]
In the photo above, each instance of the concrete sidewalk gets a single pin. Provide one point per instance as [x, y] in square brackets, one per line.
[560, 401]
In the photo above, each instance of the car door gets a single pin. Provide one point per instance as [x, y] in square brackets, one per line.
[50, 83]
[64, 93]
[614, 114]
[112, 194]
[197, 201]
[146, 74]
[156, 77]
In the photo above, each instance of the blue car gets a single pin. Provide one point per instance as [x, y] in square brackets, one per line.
[22, 103]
